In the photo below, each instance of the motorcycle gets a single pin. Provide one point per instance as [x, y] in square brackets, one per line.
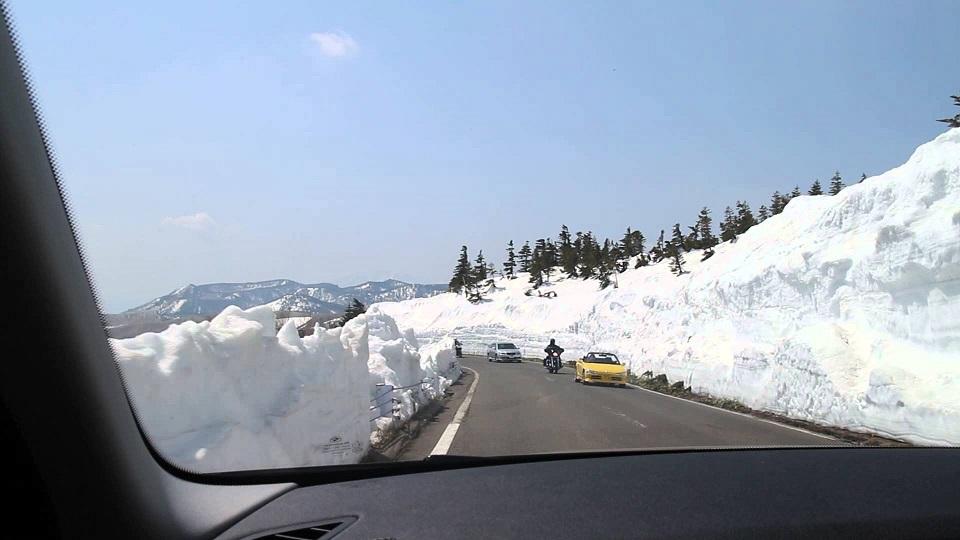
[552, 362]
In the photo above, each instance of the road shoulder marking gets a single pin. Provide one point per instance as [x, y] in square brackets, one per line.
[808, 432]
[446, 439]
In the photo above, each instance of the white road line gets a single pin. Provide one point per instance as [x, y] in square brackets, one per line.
[446, 439]
[801, 430]
[637, 423]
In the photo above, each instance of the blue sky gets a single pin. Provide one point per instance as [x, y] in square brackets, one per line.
[324, 141]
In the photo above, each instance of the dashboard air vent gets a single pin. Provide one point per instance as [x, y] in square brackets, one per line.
[325, 531]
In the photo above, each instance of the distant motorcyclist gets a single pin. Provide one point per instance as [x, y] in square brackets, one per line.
[458, 347]
[552, 348]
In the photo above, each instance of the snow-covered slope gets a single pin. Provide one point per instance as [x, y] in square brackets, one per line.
[301, 303]
[232, 394]
[843, 310]
[282, 294]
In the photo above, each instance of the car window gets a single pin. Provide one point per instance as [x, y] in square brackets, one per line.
[602, 359]
[750, 206]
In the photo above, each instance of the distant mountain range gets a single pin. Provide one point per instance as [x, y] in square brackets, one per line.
[282, 295]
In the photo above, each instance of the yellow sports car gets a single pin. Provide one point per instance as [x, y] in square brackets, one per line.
[602, 368]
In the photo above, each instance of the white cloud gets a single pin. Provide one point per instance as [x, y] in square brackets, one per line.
[334, 44]
[201, 221]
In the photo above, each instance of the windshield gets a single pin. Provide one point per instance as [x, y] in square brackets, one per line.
[602, 359]
[314, 228]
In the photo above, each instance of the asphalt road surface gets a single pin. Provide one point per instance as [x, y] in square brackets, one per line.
[522, 409]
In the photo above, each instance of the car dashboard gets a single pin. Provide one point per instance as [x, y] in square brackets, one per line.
[783, 493]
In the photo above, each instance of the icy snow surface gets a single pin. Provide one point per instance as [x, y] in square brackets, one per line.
[841, 310]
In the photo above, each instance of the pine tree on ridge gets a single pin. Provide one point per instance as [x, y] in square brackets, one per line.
[674, 250]
[510, 264]
[354, 309]
[836, 183]
[462, 273]
[815, 189]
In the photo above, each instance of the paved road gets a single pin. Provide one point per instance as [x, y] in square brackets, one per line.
[522, 409]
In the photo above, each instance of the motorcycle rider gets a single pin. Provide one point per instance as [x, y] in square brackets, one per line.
[458, 347]
[552, 348]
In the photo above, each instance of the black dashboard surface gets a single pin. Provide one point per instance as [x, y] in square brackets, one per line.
[821, 492]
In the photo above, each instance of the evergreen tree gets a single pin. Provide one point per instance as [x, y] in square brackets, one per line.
[955, 121]
[540, 246]
[606, 254]
[568, 253]
[777, 202]
[536, 263]
[550, 257]
[589, 256]
[636, 244]
[619, 256]
[795, 192]
[597, 252]
[706, 239]
[674, 250]
[692, 240]
[638, 250]
[815, 189]
[863, 177]
[511, 263]
[627, 243]
[728, 227]
[631, 246]
[542, 261]
[676, 239]
[677, 262]
[462, 273]
[607, 264]
[480, 269]
[745, 218]
[836, 183]
[763, 213]
[355, 308]
[564, 238]
[659, 251]
[525, 255]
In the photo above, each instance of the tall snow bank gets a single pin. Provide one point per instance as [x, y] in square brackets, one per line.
[842, 310]
[231, 394]
[417, 374]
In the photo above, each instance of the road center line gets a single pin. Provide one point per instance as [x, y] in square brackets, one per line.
[446, 439]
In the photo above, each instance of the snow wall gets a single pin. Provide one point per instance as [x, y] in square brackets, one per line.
[842, 310]
[233, 394]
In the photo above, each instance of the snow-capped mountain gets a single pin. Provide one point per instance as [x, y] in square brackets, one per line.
[843, 310]
[302, 303]
[281, 295]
